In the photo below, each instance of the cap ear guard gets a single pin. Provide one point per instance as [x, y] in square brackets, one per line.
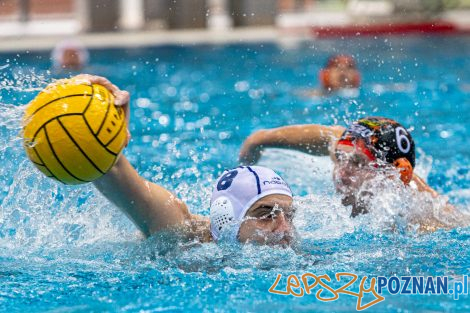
[406, 170]
[222, 215]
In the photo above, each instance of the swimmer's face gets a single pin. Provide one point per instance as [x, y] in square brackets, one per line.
[352, 168]
[71, 59]
[342, 74]
[269, 221]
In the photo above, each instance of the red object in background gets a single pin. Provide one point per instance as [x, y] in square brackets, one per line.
[385, 29]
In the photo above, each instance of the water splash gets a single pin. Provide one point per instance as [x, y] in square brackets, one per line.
[55, 238]
[24, 80]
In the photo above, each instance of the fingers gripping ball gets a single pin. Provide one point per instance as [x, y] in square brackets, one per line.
[73, 132]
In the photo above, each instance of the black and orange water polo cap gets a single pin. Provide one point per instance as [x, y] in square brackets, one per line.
[383, 138]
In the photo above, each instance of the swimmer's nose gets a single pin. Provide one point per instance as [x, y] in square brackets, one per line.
[282, 225]
[343, 175]
[283, 231]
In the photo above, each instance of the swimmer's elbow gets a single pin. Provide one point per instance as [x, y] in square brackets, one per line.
[165, 210]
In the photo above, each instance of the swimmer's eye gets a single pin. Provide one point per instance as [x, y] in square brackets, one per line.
[270, 216]
[274, 214]
[352, 159]
[264, 212]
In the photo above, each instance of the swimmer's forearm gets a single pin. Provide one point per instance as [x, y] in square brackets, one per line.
[421, 186]
[120, 185]
[149, 206]
[312, 139]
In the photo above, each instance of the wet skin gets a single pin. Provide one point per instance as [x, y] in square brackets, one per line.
[269, 221]
[351, 170]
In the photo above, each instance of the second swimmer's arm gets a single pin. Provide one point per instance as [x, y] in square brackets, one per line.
[451, 216]
[423, 187]
[312, 139]
[151, 207]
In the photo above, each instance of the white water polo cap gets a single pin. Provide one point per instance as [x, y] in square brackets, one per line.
[236, 190]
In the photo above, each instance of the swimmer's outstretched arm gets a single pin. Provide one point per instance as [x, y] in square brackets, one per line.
[312, 139]
[151, 207]
[447, 217]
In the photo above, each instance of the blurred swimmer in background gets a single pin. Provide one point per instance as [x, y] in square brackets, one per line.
[368, 147]
[339, 74]
[248, 203]
[69, 55]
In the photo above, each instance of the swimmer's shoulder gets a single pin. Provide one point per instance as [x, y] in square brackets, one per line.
[195, 228]
[198, 228]
[419, 184]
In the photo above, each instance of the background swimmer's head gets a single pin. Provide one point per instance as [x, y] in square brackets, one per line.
[69, 54]
[252, 204]
[369, 144]
[340, 72]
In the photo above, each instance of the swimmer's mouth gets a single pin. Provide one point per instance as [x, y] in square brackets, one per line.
[343, 186]
[285, 241]
[283, 244]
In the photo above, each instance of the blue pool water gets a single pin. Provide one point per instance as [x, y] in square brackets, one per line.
[66, 249]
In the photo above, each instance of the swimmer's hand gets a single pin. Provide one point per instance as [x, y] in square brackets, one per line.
[121, 97]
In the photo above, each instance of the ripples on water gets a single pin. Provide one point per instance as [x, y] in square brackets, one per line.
[67, 248]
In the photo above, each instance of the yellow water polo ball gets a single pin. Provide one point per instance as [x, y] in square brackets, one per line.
[73, 132]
